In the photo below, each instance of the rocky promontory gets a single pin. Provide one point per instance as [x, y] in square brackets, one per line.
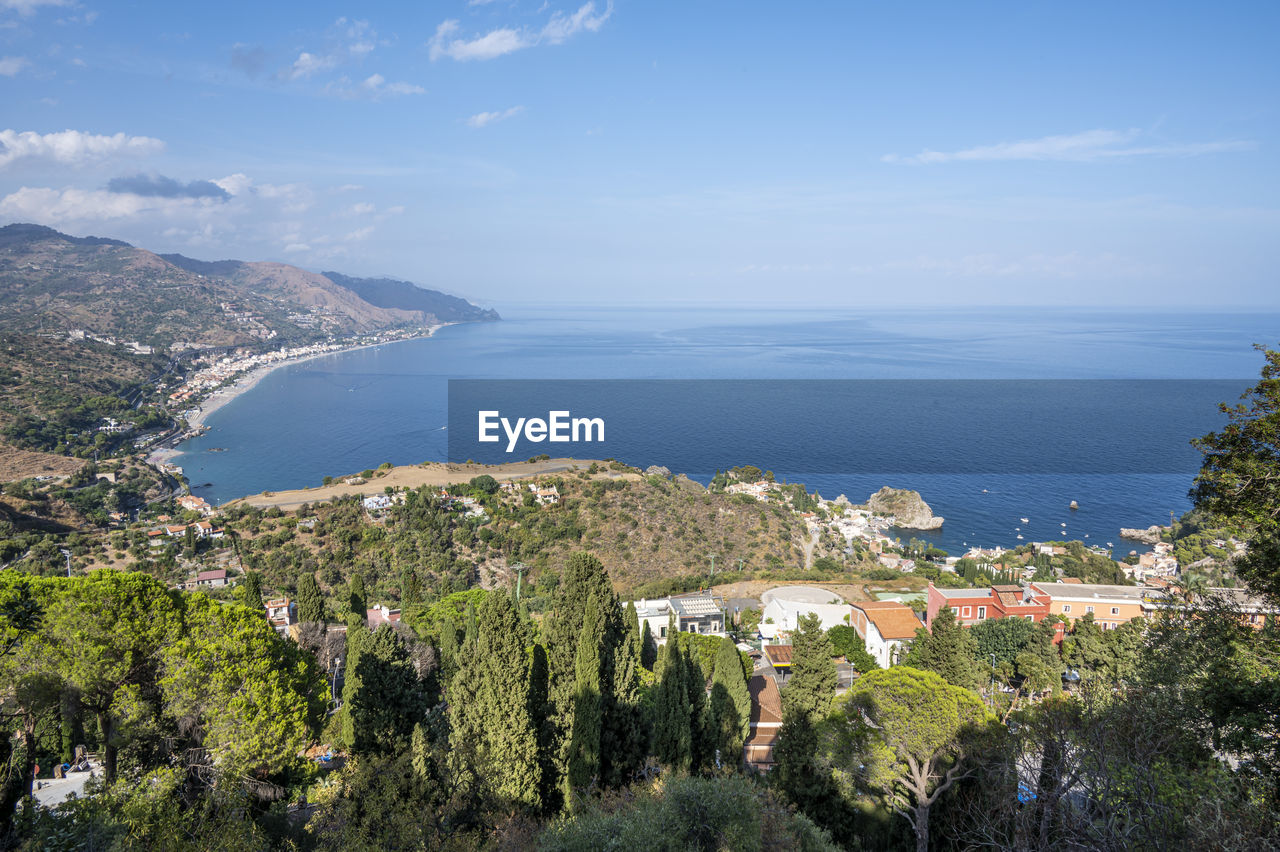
[907, 508]
[1151, 535]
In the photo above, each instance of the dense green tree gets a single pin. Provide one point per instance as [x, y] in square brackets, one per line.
[410, 593]
[255, 696]
[388, 700]
[730, 705]
[672, 728]
[648, 648]
[107, 635]
[812, 682]
[310, 599]
[249, 591]
[582, 577]
[588, 704]
[845, 642]
[1083, 648]
[908, 727]
[948, 649]
[1239, 479]
[626, 739]
[357, 603]
[493, 731]
[1006, 638]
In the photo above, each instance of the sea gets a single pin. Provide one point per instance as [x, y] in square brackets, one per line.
[1022, 411]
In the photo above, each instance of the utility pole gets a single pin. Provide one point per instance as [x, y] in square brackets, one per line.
[713, 566]
[519, 569]
[67, 554]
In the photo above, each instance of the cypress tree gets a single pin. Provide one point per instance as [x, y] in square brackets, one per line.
[473, 629]
[494, 737]
[584, 736]
[409, 591]
[388, 699]
[310, 599]
[582, 577]
[356, 597]
[357, 640]
[730, 704]
[812, 683]
[672, 734]
[625, 739]
[648, 648]
[249, 592]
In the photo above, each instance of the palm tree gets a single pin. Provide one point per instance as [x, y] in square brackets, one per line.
[1193, 585]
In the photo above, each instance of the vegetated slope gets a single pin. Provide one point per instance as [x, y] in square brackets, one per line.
[52, 283]
[404, 295]
[642, 530]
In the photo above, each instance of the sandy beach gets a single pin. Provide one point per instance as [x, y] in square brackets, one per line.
[247, 382]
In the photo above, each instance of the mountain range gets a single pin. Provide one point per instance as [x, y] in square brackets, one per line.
[51, 282]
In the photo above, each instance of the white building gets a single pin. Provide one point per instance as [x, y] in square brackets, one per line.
[780, 617]
[885, 628]
[695, 613]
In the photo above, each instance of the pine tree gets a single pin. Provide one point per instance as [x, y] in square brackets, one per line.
[356, 598]
[473, 628]
[812, 683]
[584, 747]
[494, 733]
[947, 649]
[672, 734]
[730, 704]
[310, 599]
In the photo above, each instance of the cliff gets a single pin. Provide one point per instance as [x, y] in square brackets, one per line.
[907, 508]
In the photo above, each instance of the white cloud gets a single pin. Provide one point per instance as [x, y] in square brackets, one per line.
[72, 147]
[308, 64]
[499, 42]
[236, 184]
[11, 65]
[28, 7]
[362, 208]
[1088, 146]
[562, 26]
[374, 87]
[54, 206]
[294, 248]
[481, 119]
[359, 234]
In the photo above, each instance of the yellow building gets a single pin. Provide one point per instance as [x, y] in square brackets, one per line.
[1111, 605]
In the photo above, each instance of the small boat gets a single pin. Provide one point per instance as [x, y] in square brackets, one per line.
[1019, 538]
[1024, 520]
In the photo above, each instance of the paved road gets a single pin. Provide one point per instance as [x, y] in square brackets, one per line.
[53, 793]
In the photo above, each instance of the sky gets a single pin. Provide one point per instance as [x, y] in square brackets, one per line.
[629, 151]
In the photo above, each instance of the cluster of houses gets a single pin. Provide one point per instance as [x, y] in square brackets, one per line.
[162, 536]
[544, 495]
[192, 503]
[228, 368]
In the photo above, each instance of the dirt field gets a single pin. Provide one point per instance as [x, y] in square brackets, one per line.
[414, 476]
[755, 588]
[20, 464]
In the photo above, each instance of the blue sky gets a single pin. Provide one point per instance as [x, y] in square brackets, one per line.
[801, 153]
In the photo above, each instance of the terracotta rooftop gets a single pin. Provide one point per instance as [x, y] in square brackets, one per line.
[779, 655]
[766, 701]
[896, 622]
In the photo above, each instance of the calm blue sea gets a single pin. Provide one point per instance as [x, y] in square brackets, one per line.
[347, 412]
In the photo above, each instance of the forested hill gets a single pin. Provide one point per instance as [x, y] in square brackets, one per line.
[52, 283]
